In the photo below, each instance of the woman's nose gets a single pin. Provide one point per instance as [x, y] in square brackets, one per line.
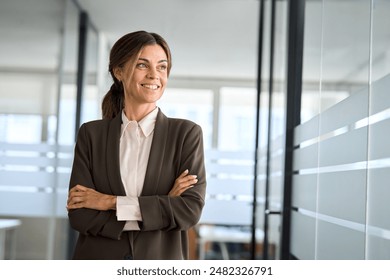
[152, 74]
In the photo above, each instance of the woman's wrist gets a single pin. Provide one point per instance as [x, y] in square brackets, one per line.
[111, 202]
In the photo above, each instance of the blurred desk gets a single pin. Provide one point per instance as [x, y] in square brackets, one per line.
[223, 235]
[8, 225]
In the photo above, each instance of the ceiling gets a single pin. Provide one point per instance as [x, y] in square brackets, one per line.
[216, 38]
[209, 38]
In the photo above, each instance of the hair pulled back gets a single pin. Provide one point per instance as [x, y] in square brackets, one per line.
[126, 49]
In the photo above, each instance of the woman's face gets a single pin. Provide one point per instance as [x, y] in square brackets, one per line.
[147, 83]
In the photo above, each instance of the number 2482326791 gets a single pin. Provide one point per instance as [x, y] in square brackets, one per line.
[254, 270]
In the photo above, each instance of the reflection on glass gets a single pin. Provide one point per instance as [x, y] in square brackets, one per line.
[33, 168]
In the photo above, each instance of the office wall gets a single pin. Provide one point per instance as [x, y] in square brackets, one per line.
[341, 159]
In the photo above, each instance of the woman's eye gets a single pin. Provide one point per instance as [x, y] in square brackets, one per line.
[162, 67]
[141, 65]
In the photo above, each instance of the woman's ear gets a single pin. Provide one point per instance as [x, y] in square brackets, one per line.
[118, 73]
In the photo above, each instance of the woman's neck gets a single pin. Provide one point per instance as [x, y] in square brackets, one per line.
[138, 112]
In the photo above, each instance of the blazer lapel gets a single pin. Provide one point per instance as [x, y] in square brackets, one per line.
[112, 156]
[155, 162]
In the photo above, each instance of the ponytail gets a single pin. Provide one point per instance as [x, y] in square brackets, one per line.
[112, 103]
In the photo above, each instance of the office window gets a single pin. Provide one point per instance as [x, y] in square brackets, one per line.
[192, 104]
[237, 119]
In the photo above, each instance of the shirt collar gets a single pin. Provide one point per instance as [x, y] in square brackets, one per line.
[146, 124]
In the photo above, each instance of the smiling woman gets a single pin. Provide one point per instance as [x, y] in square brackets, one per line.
[138, 178]
[130, 54]
[145, 83]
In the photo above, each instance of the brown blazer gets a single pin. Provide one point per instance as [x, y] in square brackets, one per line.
[177, 145]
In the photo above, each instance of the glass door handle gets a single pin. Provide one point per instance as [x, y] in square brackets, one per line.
[270, 212]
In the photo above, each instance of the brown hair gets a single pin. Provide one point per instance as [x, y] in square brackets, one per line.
[126, 49]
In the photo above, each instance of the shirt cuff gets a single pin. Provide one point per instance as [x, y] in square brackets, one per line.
[127, 209]
[131, 225]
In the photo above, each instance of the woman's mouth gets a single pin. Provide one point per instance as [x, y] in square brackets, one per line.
[150, 86]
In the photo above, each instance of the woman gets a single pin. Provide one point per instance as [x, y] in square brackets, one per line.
[138, 178]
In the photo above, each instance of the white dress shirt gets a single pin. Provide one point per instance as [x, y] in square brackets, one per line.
[135, 143]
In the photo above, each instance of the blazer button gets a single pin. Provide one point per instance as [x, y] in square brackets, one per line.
[128, 257]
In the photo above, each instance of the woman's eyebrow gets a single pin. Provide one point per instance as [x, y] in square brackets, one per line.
[147, 60]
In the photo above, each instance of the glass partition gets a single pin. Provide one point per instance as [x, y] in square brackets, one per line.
[277, 129]
[29, 156]
[378, 226]
[340, 159]
[37, 125]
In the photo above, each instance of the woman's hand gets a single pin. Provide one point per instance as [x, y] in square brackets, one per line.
[83, 197]
[183, 183]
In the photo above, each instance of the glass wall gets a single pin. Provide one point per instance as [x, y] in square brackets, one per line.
[340, 161]
[271, 129]
[378, 193]
[276, 91]
[37, 124]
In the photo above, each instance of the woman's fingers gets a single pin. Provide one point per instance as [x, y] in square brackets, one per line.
[77, 197]
[183, 183]
[78, 188]
[182, 175]
[83, 197]
[186, 181]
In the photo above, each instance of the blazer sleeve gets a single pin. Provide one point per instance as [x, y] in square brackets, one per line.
[162, 212]
[89, 221]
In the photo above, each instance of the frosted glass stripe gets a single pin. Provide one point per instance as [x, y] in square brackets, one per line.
[378, 248]
[336, 117]
[335, 168]
[379, 140]
[306, 131]
[304, 194]
[15, 178]
[378, 197]
[333, 220]
[379, 163]
[63, 180]
[378, 232]
[335, 242]
[37, 204]
[306, 157]
[338, 189]
[41, 147]
[61, 204]
[42, 179]
[302, 245]
[380, 95]
[35, 161]
[347, 148]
